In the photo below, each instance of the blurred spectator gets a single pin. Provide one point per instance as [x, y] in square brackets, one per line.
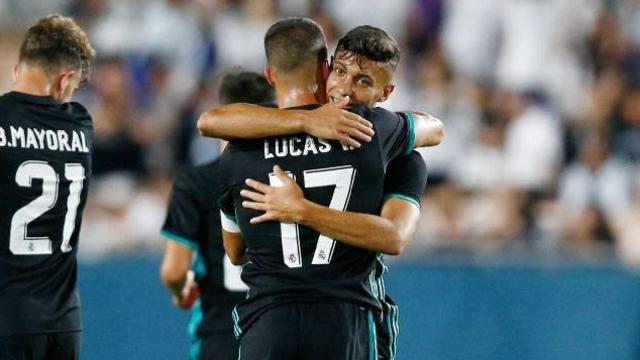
[540, 99]
[596, 178]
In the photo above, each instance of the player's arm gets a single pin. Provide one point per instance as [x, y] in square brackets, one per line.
[174, 269]
[387, 233]
[180, 230]
[429, 130]
[241, 121]
[232, 239]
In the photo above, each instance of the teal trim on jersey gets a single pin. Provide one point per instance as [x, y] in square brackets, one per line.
[237, 331]
[198, 265]
[412, 134]
[194, 322]
[180, 240]
[373, 343]
[403, 197]
[393, 327]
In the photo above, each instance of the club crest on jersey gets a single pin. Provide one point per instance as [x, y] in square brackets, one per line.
[41, 139]
[295, 146]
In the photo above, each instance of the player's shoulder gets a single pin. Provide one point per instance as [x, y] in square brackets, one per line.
[202, 177]
[78, 113]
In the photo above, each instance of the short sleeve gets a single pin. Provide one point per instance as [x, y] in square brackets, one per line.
[227, 211]
[395, 131]
[406, 178]
[184, 215]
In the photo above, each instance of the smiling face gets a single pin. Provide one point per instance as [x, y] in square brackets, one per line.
[366, 82]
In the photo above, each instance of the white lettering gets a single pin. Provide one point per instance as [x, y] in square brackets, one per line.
[267, 154]
[52, 140]
[325, 146]
[31, 139]
[40, 135]
[76, 144]
[309, 145]
[63, 139]
[85, 148]
[3, 137]
[17, 134]
[281, 147]
[293, 151]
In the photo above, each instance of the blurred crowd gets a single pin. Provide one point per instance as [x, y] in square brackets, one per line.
[540, 99]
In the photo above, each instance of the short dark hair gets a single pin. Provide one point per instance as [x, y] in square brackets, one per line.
[294, 43]
[372, 43]
[55, 43]
[245, 87]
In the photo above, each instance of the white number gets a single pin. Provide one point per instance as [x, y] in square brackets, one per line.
[19, 242]
[342, 177]
[288, 233]
[232, 280]
[75, 174]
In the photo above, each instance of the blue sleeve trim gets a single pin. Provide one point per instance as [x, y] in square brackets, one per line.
[180, 240]
[403, 197]
[412, 133]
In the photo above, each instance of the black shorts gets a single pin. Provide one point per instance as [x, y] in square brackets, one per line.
[311, 331]
[221, 345]
[53, 346]
[387, 330]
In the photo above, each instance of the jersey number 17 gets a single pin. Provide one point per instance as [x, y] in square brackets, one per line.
[342, 177]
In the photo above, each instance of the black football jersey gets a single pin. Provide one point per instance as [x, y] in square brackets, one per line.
[194, 221]
[406, 179]
[290, 262]
[45, 166]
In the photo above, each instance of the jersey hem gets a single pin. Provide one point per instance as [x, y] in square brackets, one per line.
[403, 197]
[179, 239]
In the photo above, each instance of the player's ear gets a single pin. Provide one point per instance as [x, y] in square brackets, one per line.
[269, 75]
[15, 72]
[386, 92]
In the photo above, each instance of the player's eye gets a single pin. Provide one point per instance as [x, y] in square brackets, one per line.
[340, 71]
[363, 82]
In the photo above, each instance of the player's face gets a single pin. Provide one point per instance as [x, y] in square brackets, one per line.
[365, 82]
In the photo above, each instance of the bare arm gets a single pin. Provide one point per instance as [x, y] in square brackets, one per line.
[330, 121]
[388, 233]
[235, 247]
[429, 129]
[174, 268]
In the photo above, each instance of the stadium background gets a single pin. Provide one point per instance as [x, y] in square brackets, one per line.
[529, 240]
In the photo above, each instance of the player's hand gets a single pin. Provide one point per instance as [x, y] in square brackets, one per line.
[332, 122]
[189, 294]
[283, 203]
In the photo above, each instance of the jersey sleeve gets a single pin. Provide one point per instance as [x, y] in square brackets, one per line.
[396, 132]
[184, 215]
[227, 211]
[406, 178]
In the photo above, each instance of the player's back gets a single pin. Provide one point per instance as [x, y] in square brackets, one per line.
[45, 164]
[194, 220]
[293, 263]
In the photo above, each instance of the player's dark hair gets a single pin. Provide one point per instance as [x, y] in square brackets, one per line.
[55, 43]
[245, 87]
[295, 43]
[372, 43]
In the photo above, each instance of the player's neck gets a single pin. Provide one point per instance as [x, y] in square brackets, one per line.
[290, 96]
[32, 81]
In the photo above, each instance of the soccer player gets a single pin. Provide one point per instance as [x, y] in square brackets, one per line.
[305, 275]
[193, 229]
[45, 152]
[357, 76]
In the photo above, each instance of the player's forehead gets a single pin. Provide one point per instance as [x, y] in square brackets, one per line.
[357, 63]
